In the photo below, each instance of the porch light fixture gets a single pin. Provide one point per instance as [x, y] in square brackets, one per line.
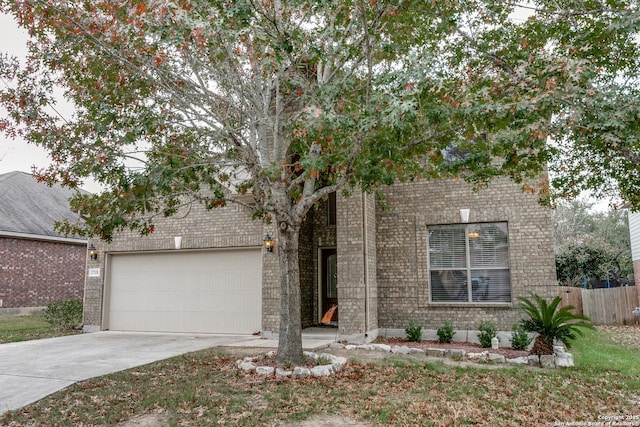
[177, 242]
[464, 215]
[93, 252]
[268, 243]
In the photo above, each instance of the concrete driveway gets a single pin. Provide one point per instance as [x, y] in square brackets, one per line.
[31, 370]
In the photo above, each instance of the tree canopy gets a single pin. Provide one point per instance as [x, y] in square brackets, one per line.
[199, 100]
[591, 245]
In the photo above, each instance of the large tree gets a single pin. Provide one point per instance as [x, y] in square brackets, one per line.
[197, 101]
[591, 244]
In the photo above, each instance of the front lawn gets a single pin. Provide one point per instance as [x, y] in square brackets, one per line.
[24, 328]
[204, 388]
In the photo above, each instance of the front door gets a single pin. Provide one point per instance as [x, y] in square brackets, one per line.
[329, 288]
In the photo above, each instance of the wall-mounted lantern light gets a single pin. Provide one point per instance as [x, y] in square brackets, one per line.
[268, 243]
[93, 252]
[464, 215]
[177, 242]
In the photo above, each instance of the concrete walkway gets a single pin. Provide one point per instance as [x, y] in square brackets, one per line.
[31, 370]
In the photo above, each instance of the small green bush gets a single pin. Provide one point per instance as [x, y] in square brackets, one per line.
[64, 315]
[488, 330]
[520, 339]
[413, 331]
[446, 332]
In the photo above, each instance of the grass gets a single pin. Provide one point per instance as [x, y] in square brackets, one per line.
[598, 353]
[24, 328]
[204, 388]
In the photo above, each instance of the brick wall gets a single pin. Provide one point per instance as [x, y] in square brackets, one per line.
[387, 287]
[403, 279]
[308, 283]
[314, 235]
[357, 295]
[34, 273]
[226, 227]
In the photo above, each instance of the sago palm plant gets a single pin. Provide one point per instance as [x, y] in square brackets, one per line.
[551, 323]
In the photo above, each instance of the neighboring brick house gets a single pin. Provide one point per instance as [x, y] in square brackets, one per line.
[415, 260]
[37, 264]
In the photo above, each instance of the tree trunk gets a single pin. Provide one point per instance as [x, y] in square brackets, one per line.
[290, 334]
[541, 346]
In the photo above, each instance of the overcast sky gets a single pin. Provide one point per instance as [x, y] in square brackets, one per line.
[16, 155]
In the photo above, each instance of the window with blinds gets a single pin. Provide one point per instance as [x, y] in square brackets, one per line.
[469, 263]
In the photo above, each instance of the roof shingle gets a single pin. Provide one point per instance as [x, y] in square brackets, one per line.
[30, 207]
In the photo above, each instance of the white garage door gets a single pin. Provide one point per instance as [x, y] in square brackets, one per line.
[203, 291]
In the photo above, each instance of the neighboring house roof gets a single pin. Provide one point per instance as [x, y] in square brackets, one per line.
[29, 208]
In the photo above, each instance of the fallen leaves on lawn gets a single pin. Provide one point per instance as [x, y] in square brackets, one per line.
[204, 388]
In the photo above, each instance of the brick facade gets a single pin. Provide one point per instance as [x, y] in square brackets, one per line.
[228, 227]
[403, 279]
[34, 273]
[381, 255]
[356, 244]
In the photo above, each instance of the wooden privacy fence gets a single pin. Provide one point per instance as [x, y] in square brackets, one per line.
[612, 306]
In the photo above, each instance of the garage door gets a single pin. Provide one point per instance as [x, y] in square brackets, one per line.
[203, 291]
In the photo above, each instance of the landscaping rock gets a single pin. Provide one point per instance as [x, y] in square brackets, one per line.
[350, 347]
[337, 345]
[498, 358]
[322, 371]
[381, 347]
[400, 349]
[456, 354]
[562, 358]
[435, 352]
[282, 374]
[478, 356]
[299, 372]
[310, 354]
[246, 366]
[368, 347]
[547, 361]
[337, 367]
[265, 371]
[534, 360]
[337, 362]
[519, 361]
[413, 350]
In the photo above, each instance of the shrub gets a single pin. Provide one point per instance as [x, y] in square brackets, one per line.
[551, 323]
[64, 315]
[445, 332]
[520, 339]
[413, 331]
[488, 330]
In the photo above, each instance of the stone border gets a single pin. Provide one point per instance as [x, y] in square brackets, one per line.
[559, 359]
[336, 363]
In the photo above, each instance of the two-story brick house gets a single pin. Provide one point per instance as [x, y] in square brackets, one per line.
[437, 251]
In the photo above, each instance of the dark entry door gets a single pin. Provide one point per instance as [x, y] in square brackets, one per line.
[329, 281]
